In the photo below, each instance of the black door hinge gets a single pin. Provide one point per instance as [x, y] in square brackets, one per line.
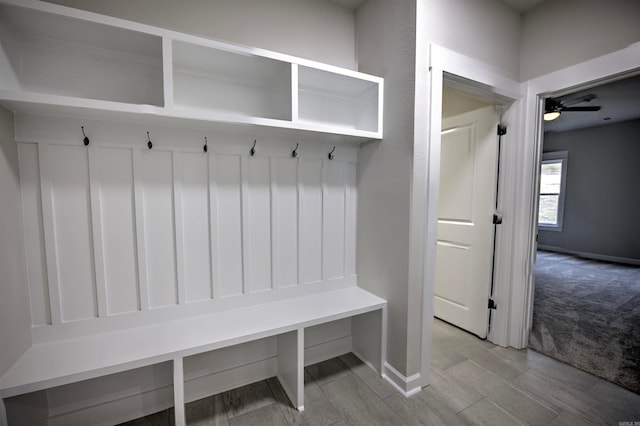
[497, 219]
[502, 130]
[492, 304]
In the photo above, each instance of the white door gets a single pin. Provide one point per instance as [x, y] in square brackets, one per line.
[464, 258]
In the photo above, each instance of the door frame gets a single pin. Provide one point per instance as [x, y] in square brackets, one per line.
[476, 77]
[522, 148]
[607, 68]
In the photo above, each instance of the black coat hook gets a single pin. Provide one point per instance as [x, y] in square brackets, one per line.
[253, 148]
[149, 143]
[86, 139]
[331, 156]
[205, 144]
[294, 153]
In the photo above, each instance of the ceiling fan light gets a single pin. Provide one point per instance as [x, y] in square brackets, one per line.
[551, 115]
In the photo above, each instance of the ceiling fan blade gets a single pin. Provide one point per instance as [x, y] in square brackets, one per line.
[585, 108]
[579, 100]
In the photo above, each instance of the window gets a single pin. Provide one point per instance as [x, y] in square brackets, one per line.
[553, 176]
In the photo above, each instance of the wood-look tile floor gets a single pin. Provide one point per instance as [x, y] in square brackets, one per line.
[472, 382]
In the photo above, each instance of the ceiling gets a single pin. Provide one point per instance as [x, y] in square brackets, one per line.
[522, 5]
[518, 5]
[620, 101]
[349, 4]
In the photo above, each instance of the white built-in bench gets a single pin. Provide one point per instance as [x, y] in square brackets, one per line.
[61, 362]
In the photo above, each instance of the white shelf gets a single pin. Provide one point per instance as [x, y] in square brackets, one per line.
[225, 82]
[336, 99]
[62, 61]
[58, 55]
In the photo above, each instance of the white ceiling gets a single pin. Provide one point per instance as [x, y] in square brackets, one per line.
[522, 5]
[349, 4]
[518, 5]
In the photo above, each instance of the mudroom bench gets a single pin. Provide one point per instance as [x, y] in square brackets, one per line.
[61, 362]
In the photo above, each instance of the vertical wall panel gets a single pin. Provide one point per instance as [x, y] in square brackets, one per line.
[33, 233]
[285, 222]
[195, 217]
[112, 180]
[351, 214]
[69, 176]
[334, 220]
[228, 231]
[310, 219]
[114, 229]
[258, 224]
[156, 176]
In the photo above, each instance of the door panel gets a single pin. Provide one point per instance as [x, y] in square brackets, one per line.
[465, 230]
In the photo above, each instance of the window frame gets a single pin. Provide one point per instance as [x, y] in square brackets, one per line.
[555, 157]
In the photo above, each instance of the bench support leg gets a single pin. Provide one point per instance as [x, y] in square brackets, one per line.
[369, 338]
[291, 366]
[178, 392]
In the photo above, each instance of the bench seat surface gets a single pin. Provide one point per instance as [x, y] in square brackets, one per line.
[56, 363]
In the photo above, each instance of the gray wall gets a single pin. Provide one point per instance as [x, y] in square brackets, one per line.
[558, 34]
[15, 312]
[390, 37]
[311, 29]
[386, 47]
[602, 203]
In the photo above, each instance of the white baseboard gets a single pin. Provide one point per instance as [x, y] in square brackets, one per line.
[595, 256]
[407, 386]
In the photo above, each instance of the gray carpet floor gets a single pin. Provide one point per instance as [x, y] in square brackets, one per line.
[587, 314]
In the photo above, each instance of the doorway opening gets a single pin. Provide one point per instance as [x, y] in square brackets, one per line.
[476, 79]
[586, 303]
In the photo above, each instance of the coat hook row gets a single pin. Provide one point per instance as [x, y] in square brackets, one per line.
[205, 147]
[86, 139]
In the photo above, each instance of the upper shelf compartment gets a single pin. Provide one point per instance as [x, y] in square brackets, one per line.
[226, 82]
[57, 60]
[339, 100]
[50, 54]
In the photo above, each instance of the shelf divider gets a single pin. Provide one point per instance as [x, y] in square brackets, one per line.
[167, 71]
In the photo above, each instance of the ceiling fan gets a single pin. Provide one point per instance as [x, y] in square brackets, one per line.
[553, 107]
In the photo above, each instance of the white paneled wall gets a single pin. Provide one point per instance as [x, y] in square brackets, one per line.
[195, 244]
[310, 195]
[115, 229]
